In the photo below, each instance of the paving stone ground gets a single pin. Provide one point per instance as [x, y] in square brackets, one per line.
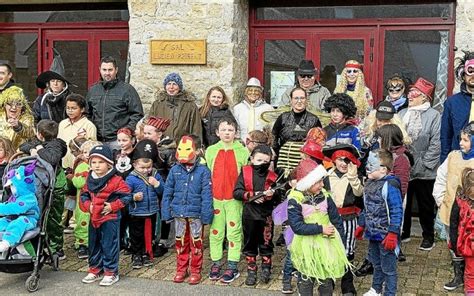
[424, 273]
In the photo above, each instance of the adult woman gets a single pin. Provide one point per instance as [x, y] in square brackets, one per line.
[52, 104]
[16, 120]
[352, 83]
[396, 92]
[178, 105]
[423, 126]
[290, 130]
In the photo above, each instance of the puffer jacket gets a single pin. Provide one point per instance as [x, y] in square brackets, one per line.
[317, 95]
[344, 133]
[455, 117]
[188, 193]
[112, 105]
[383, 210]
[49, 106]
[426, 148]
[149, 205]
[211, 121]
[181, 110]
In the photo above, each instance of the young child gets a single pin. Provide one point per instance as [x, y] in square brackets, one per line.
[448, 179]
[48, 147]
[317, 251]
[188, 200]
[20, 212]
[81, 171]
[347, 190]
[264, 137]
[103, 196]
[146, 185]
[341, 130]
[6, 151]
[380, 222]
[139, 133]
[214, 107]
[224, 159]
[257, 221]
[461, 225]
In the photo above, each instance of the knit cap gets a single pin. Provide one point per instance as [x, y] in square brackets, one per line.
[176, 78]
[103, 152]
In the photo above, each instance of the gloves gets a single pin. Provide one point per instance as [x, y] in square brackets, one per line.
[359, 232]
[390, 242]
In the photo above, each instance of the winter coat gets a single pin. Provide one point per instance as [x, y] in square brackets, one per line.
[211, 121]
[112, 105]
[401, 167]
[18, 136]
[52, 152]
[49, 106]
[181, 110]
[455, 117]
[383, 209]
[188, 193]
[98, 190]
[426, 148]
[243, 112]
[342, 134]
[149, 205]
[317, 95]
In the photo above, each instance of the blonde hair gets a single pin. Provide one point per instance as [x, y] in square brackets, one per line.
[370, 126]
[359, 95]
[207, 103]
[7, 145]
[88, 145]
[15, 94]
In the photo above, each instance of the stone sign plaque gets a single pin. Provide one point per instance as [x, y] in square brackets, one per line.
[191, 52]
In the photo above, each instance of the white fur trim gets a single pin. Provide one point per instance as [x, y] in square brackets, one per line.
[314, 176]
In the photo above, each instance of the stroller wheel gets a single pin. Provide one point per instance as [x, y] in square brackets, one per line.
[32, 283]
[55, 262]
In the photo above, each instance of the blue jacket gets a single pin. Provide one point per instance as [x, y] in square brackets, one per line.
[383, 210]
[342, 134]
[188, 193]
[454, 118]
[149, 205]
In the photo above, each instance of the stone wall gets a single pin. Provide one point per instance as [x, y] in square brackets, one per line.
[223, 23]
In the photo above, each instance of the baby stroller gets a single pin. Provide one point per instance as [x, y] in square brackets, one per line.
[33, 250]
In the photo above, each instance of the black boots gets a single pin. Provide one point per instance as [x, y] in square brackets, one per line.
[458, 280]
[365, 269]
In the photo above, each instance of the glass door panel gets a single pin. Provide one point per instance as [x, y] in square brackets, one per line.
[74, 54]
[119, 50]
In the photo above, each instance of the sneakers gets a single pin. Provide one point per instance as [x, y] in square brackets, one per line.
[251, 277]
[230, 275]
[146, 260]
[372, 292]
[61, 255]
[137, 262]
[215, 272]
[426, 245]
[287, 288]
[109, 280]
[266, 274]
[91, 277]
[83, 252]
[365, 269]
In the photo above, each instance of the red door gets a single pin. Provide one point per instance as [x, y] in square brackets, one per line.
[81, 52]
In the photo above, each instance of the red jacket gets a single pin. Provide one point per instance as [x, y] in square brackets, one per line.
[401, 167]
[110, 188]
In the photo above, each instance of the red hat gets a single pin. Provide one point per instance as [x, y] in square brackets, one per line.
[308, 172]
[424, 86]
[159, 123]
[317, 134]
[343, 151]
[313, 149]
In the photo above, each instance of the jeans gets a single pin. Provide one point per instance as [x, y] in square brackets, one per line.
[385, 268]
[287, 266]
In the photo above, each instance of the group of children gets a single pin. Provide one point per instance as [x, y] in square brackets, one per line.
[151, 184]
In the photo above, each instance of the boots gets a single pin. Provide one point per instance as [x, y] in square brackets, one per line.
[266, 269]
[458, 280]
[251, 271]
[305, 286]
[365, 269]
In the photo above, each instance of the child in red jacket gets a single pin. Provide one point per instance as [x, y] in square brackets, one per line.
[104, 194]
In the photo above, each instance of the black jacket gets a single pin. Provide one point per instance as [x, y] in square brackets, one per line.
[210, 124]
[53, 151]
[112, 105]
[47, 106]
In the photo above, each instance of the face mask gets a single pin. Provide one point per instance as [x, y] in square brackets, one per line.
[186, 151]
[262, 168]
[373, 163]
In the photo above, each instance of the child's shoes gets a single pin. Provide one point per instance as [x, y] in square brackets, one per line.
[215, 272]
[109, 280]
[265, 275]
[137, 261]
[372, 292]
[179, 277]
[194, 279]
[146, 260]
[4, 246]
[230, 275]
[251, 277]
[91, 277]
[287, 288]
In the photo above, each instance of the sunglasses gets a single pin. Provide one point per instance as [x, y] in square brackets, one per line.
[307, 76]
[394, 89]
[15, 104]
[350, 71]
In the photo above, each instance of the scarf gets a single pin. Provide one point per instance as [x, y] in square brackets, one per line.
[397, 103]
[412, 119]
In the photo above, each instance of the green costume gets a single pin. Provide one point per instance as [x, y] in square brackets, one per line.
[225, 162]
[54, 227]
[81, 231]
[318, 256]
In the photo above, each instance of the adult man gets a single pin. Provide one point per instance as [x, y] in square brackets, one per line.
[6, 75]
[112, 104]
[306, 79]
[248, 112]
[459, 108]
